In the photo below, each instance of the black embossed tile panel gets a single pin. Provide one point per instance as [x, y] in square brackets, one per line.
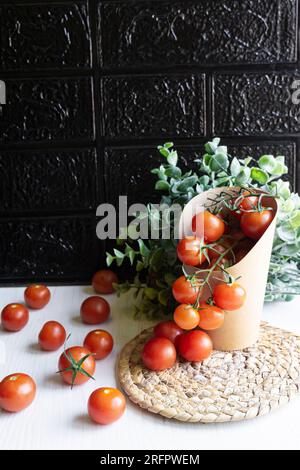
[133, 34]
[53, 180]
[153, 106]
[255, 104]
[93, 86]
[51, 248]
[44, 36]
[42, 110]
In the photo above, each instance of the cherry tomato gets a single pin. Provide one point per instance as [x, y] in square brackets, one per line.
[254, 224]
[229, 296]
[211, 317]
[159, 354]
[106, 405]
[17, 391]
[103, 281]
[14, 317]
[37, 296]
[70, 368]
[195, 346]
[94, 310]
[186, 317]
[185, 291]
[99, 342]
[248, 202]
[208, 226]
[52, 336]
[189, 251]
[169, 330]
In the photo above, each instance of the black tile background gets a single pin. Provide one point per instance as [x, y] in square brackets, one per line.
[93, 86]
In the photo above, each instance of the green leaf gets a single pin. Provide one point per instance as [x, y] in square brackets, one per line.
[259, 175]
[279, 170]
[139, 266]
[172, 158]
[168, 145]
[235, 167]
[163, 297]
[243, 177]
[109, 259]
[150, 293]
[118, 254]
[162, 185]
[219, 162]
[267, 163]
[164, 152]
[173, 172]
[187, 183]
[211, 147]
[143, 248]
[295, 220]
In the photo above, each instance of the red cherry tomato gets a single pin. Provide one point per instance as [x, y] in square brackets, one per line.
[159, 354]
[248, 202]
[189, 251]
[103, 281]
[169, 330]
[185, 291]
[195, 346]
[17, 391]
[106, 405]
[229, 296]
[37, 296]
[208, 226]
[100, 343]
[14, 317]
[94, 310]
[186, 317]
[52, 336]
[71, 371]
[254, 224]
[211, 317]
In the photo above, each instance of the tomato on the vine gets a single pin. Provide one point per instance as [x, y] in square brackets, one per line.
[159, 354]
[211, 316]
[106, 405]
[52, 336]
[94, 310]
[76, 365]
[103, 281]
[37, 296]
[190, 252]
[208, 226]
[17, 391]
[229, 296]
[185, 291]
[195, 346]
[168, 329]
[186, 317]
[14, 317]
[248, 202]
[254, 224]
[99, 342]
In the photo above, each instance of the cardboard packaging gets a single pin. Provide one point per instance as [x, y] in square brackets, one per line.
[241, 327]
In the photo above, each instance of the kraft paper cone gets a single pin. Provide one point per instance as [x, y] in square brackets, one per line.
[241, 327]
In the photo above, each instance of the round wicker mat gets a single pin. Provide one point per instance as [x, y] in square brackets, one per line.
[226, 387]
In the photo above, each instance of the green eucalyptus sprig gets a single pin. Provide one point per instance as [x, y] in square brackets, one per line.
[155, 261]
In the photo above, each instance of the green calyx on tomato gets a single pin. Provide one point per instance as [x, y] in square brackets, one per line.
[75, 367]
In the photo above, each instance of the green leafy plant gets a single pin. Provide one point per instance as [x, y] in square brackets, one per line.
[155, 261]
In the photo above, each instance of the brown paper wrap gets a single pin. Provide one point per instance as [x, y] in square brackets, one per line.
[241, 327]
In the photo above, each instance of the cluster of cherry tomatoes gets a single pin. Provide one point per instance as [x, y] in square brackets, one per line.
[76, 364]
[219, 241]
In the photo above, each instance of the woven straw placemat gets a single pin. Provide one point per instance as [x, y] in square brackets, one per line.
[226, 387]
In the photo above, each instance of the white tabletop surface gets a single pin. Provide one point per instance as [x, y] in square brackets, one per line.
[58, 418]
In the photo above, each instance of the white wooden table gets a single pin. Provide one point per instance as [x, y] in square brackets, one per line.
[58, 418]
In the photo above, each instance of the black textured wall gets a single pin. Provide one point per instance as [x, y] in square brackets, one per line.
[92, 88]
